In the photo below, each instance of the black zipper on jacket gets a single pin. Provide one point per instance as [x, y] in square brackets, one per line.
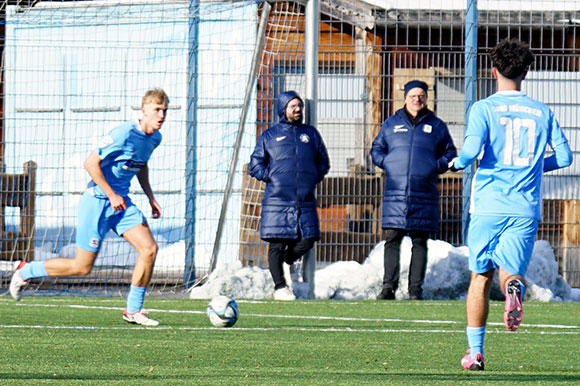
[408, 187]
[295, 129]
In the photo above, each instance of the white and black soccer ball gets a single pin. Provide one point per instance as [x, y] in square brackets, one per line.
[223, 311]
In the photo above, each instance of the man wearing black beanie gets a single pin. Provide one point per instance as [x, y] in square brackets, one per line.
[413, 147]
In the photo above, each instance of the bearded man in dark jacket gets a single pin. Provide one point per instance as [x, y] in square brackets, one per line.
[413, 147]
[291, 158]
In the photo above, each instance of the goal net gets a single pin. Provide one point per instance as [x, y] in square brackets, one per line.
[74, 70]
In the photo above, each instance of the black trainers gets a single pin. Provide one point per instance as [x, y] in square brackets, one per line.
[415, 294]
[386, 294]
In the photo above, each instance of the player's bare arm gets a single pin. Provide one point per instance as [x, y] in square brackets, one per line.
[93, 166]
[143, 178]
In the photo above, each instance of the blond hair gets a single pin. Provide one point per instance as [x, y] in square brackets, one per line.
[156, 95]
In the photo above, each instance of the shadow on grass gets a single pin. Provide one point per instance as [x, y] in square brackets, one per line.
[258, 377]
[483, 376]
[95, 377]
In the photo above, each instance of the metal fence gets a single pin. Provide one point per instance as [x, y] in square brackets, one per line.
[366, 54]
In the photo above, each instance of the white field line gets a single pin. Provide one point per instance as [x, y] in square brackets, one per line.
[390, 303]
[305, 329]
[313, 317]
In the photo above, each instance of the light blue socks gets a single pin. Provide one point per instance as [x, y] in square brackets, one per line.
[33, 270]
[475, 337]
[135, 299]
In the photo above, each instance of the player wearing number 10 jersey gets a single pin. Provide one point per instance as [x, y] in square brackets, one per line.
[514, 130]
[506, 199]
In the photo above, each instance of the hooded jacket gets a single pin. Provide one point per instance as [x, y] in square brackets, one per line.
[291, 159]
[412, 154]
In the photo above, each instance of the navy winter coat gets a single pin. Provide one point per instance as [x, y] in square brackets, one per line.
[412, 156]
[291, 159]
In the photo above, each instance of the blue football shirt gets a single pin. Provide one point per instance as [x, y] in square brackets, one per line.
[515, 130]
[124, 151]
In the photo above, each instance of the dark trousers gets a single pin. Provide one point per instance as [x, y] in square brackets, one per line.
[285, 250]
[392, 256]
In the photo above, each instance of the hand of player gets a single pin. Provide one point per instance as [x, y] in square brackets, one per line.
[155, 209]
[452, 166]
[117, 202]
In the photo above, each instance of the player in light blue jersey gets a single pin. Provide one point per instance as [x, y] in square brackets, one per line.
[106, 205]
[506, 199]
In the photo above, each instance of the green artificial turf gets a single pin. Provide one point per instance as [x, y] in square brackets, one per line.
[84, 341]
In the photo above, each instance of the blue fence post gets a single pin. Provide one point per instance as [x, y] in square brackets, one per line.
[191, 156]
[471, 27]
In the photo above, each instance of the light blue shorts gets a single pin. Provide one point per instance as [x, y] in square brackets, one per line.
[96, 217]
[500, 241]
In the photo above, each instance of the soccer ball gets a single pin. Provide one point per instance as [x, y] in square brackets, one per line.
[223, 311]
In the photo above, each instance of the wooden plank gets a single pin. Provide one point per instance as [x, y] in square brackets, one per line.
[369, 61]
[570, 264]
[403, 75]
[346, 246]
[357, 190]
[18, 190]
[333, 246]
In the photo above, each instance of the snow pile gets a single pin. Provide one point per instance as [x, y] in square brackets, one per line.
[447, 277]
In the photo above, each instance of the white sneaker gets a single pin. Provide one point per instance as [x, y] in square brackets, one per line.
[139, 317]
[17, 283]
[284, 293]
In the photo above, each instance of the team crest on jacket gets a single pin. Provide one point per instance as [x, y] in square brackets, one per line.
[427, 129]
[304, 138]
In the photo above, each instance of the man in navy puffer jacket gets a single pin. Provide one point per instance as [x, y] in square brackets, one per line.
[291, 158]
[413, 147]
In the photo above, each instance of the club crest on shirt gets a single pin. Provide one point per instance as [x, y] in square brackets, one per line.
[304, 138]
[133, 165]
[106, 141]
[94, 243]
[427, 129]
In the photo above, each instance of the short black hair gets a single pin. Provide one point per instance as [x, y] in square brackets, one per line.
[511, 57]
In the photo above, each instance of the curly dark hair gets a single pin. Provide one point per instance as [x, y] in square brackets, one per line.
[511, 57]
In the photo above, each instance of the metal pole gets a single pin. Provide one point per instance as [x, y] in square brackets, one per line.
[234, 161]
[471, 26]
[312, 37]
[191, 145]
